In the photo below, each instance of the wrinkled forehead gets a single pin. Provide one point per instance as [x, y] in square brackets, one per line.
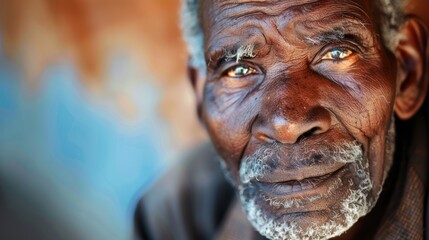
[224, 18]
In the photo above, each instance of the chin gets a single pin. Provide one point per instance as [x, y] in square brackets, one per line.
[309, 216]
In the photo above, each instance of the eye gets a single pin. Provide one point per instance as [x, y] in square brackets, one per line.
[337, 54]
[240, 71]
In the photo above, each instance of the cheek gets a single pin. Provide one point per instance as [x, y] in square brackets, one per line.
[378, 90]
[229, 123]
[362, 100]
[365, 104]
[380, 109]
[377, 161]
[374, 96]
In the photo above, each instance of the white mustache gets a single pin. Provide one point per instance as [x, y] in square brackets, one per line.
[256, 165]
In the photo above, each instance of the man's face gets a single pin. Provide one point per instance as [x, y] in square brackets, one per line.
[298, 101]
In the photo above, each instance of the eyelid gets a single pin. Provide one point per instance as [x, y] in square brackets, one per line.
[226, 66]
[218, 63]
[218, 58]
[317, 58]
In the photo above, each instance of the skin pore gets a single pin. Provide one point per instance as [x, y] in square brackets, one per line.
[298, 99]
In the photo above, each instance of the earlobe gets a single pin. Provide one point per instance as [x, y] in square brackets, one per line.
[411, 53]
[197, 79]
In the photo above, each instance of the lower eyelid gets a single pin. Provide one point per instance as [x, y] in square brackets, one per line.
[241, 83]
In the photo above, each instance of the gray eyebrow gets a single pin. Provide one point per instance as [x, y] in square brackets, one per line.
[244, 51]
[344, 28]
[335, 35]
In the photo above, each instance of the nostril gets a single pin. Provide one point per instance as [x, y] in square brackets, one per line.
[286, 128]
[264, 138]
[309, 133]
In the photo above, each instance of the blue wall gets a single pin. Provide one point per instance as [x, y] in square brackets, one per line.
[68, 157]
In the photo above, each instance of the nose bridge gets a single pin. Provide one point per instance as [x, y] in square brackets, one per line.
[291, 101]
[291, 111]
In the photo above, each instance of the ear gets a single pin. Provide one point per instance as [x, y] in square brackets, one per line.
[411, 53]
[198, 79]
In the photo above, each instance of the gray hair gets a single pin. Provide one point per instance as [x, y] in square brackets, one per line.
[193, 33]
[392, 12]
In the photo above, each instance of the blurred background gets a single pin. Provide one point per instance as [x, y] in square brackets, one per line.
[94, 106]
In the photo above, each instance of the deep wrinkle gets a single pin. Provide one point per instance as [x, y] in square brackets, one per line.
[250, 8]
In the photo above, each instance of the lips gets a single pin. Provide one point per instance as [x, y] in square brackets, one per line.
[297, 185]
[297, 174]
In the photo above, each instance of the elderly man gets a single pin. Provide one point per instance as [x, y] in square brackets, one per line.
[300, 99]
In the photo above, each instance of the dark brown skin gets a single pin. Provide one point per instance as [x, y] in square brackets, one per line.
[300, 93]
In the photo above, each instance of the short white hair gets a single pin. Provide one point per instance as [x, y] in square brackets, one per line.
[193, 33]
[392, 12]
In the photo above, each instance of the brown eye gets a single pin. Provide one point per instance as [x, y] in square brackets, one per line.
[240, 71]
[337, 54]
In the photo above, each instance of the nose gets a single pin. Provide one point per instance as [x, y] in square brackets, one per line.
[292, 125]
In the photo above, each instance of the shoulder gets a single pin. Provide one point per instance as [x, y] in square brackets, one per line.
[188, 202]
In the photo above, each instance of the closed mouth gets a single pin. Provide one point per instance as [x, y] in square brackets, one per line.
[296, 186]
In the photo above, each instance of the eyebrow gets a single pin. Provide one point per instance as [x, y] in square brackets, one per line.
[237, 53]
[334, 35]
[244, 51]
[315, 33]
